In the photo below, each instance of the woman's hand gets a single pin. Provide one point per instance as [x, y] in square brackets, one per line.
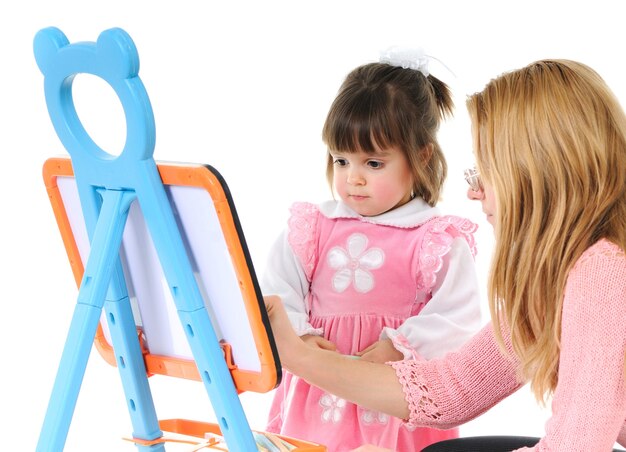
[288, 343]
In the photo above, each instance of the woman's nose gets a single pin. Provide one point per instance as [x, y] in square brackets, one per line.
[475, 195]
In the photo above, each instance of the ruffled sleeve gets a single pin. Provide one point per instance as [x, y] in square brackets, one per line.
[302, 234]
[447, 273]
[437, 243]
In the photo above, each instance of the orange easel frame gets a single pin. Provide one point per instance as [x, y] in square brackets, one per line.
[193, 176]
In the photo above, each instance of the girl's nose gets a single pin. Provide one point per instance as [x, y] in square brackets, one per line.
[355, 177]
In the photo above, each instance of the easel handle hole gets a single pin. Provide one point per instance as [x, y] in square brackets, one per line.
[100, 112]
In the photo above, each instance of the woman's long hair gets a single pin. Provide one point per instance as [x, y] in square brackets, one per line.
[551, 140]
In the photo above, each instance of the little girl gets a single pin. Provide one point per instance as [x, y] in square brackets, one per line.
[379, 274]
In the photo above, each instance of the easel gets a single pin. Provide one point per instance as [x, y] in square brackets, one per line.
[107, 186]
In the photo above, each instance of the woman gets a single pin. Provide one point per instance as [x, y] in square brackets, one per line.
[550, 145]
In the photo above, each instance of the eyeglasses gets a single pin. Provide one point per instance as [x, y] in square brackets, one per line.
[472, 177]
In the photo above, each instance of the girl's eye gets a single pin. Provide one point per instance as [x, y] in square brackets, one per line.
[375, 164]
[340, 162]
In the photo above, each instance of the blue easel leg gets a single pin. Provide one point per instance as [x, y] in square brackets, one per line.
[218, 381]
[69, 378]
[132, 371]
[193, 314]
[105, 245]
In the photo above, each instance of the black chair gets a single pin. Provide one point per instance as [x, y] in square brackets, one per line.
[482, 444]
[485, 444]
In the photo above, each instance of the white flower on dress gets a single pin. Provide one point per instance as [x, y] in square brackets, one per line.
[333, 407]
[369, 417]
[354, 263]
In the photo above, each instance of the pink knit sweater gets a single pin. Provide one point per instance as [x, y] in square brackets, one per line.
[589, 403]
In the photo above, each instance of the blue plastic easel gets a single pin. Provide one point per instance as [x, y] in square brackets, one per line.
[107, 185]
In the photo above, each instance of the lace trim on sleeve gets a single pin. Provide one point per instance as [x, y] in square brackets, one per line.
[302, 226]
[437, 243]
[423, 410]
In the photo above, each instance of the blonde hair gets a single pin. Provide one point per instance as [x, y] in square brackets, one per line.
[384, 106]
[550, 138]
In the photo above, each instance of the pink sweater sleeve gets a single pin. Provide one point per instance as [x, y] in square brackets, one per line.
[589, 403]
[447, 392]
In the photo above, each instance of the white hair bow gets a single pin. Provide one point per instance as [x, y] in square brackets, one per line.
[407, 58]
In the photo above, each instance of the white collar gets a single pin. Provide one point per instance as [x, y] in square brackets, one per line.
[411, 214]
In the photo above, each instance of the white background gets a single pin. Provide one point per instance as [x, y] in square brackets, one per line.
[243, 86]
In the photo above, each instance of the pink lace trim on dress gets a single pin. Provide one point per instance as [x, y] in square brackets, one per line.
[423, 410]
[437, 243]
[302, 225]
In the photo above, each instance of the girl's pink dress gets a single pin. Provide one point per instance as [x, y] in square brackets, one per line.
[365, 279]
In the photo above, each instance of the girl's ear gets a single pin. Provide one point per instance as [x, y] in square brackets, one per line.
[426, 153]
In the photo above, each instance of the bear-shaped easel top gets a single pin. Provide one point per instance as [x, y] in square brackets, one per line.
[114, 59]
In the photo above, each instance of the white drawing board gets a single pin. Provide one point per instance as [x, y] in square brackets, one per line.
[222, 267]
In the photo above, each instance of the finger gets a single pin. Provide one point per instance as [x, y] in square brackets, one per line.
[271, 301]
[327, 345]
[367, 349]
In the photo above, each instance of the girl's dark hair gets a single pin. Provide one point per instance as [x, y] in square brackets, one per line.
[380, 106]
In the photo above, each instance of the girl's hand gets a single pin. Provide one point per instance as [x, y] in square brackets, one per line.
[319, 342]
[381, 352]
